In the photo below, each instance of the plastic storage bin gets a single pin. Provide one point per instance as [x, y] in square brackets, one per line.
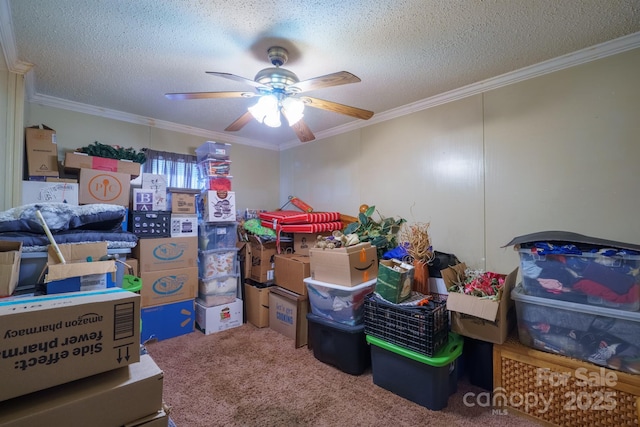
[344, 304]
[217, 183]
[213, 150]
[339, 345]
[222, 290]
[427, 381]
[420, 329]
[217, 236]
[603, 336]
[217, 263]
[210, 167]
[589, 278]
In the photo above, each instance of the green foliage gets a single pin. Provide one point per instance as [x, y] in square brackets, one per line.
[382, 234]
[119, 153]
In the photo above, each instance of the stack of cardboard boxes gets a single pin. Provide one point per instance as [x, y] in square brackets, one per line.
[218, 306]
[75, 360]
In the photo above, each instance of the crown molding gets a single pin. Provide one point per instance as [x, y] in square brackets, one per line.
[50, 101]
[8, 42]
[569, 60]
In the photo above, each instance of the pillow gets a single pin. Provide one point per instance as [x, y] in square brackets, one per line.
[62, 217]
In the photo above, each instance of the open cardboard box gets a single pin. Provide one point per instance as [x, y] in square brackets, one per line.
[69, 277]
[10, 253]
[479, 318]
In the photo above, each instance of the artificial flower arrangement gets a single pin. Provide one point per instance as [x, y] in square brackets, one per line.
[480, 283]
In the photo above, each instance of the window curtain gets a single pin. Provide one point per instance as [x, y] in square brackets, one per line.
[181, 170]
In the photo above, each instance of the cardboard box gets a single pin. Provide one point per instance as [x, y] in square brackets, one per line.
[49, 192]
[256, 304]
[42, 151]
[302, 242]
[165, 286]
[288, 314]
[142, 200]
[75, 161]
[157, 184]
[135, 391]
[290, 272]
[262, 260]
[218, 206]
[98, 186]
[165, 321]
[10, 255]
[210, 320]
[395, 279]
[479, 318]
[182, 203]
[48, 340]
[166, 253]
[349, 266]
[77, 274]
[184, 225]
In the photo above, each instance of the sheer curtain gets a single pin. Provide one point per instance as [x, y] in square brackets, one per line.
[181, 170]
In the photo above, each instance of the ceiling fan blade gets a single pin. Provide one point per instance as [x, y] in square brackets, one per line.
[209, 95]
[334, 79]
[322, 104]
[240, 122]
[238, 79]
[302, 131]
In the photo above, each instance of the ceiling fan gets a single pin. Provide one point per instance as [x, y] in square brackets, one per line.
[279, 92]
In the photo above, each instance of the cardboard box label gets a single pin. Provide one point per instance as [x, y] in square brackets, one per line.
[165, 286]
[104, 187]
[183, 203]
[143, 199]
[167, 253]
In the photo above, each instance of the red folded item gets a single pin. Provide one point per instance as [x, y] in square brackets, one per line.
[317, 227]
[295, 217]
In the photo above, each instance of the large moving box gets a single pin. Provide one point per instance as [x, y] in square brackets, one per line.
[54, 339]
[108, 399]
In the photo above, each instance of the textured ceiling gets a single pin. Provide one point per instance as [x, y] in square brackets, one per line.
[123, 56]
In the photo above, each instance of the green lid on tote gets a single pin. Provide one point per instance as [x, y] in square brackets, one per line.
[449, 353]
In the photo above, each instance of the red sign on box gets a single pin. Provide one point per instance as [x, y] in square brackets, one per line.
[104, 164]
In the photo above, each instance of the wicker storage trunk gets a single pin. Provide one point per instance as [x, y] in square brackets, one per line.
[562, 391]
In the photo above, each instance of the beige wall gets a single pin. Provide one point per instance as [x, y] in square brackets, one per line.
[249, 165]
[557, 152]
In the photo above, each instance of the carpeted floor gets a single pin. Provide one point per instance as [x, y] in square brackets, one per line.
[255, 377]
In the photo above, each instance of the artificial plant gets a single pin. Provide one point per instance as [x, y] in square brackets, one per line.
[382, 234]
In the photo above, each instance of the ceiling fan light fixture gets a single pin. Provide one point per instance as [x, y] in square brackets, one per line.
[293, 109]
[265, 109]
